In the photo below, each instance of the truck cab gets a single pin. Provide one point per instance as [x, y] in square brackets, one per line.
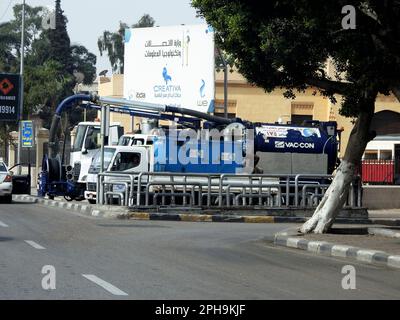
[87, 143]
[118, 159]
[134, 139]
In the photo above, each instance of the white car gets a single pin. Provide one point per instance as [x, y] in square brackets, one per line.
[6, 185]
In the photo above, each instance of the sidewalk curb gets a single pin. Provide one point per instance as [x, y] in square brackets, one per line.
[84, 209]
[384, 232]
[336, 250]
[183, 217]
[126, 213]
[188, 217]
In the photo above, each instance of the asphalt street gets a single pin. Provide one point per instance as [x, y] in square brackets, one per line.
[118, 259]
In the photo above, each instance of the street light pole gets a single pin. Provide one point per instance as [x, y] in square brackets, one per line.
[21, 108]
[225, 65]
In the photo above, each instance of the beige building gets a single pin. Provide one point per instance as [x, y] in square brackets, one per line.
[254, 104]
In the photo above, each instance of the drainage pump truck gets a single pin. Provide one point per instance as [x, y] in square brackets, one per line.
[311, 148]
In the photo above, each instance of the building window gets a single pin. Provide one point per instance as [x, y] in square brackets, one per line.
[219, 108]
[371, 155]
[302, 111]
[299, 119]
[386, 155]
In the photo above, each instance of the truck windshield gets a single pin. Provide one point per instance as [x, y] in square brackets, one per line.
[126, 161]
[96, 163]
[92, 140]
[124, 141]
[80, 135]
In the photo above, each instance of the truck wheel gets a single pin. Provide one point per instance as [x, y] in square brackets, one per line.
[8, 199]
[91, 201]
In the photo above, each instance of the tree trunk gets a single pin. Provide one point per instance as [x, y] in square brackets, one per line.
[336, 195]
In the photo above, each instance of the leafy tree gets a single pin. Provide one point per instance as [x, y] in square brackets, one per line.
[50, 61]
[113, 42]
[59, 42]
[84, 62]
[7, 40]
[10, 36]
[284, 43]
[41, 92]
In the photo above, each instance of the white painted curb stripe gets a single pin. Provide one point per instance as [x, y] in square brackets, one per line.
[35, 245]
[394, 261]
[2, 224]
[366, 255]
[105, 285]
[340, 251]
[292, 242]
[314, 246]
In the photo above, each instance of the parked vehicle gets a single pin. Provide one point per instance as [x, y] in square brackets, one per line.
[6, 184]
[135, 139]
[311, 148]
[126, 159]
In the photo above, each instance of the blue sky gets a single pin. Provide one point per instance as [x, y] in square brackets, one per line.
[89, 18]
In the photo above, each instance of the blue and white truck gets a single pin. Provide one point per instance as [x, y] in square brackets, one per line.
[242, 147]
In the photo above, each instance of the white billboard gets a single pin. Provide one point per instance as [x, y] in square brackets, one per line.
[171, 65]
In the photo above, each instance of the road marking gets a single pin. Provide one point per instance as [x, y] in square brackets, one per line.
[2, 224]
[108, 286]
[35, 245]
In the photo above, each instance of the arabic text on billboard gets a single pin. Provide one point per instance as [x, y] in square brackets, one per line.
[171, 65]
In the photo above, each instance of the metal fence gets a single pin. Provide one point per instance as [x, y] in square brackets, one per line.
[378, 171]
[226, 191]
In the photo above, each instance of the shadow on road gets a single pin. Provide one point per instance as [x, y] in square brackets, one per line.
[5, 239]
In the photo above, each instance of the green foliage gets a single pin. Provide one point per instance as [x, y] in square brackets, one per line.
[41, 92]
[113, 42]
[84, 62]
[285, 43]
[8, 60]
[59, 42]
[51, 62]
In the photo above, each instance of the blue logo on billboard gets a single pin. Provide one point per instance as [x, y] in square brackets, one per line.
[202, 102]
[128, 35]
[203, 85]
[166, 76]
[210, 29]
[167, 91]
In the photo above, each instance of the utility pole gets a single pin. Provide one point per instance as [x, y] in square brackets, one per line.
[225, 89]
[225, 65]
[21, 109]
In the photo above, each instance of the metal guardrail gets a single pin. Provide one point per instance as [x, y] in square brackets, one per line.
[219, 191]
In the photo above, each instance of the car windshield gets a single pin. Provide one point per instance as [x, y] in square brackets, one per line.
[96, 163]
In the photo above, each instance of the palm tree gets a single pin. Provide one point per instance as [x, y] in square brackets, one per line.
[113, 42]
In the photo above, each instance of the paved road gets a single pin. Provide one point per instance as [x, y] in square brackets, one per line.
[111, 259]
